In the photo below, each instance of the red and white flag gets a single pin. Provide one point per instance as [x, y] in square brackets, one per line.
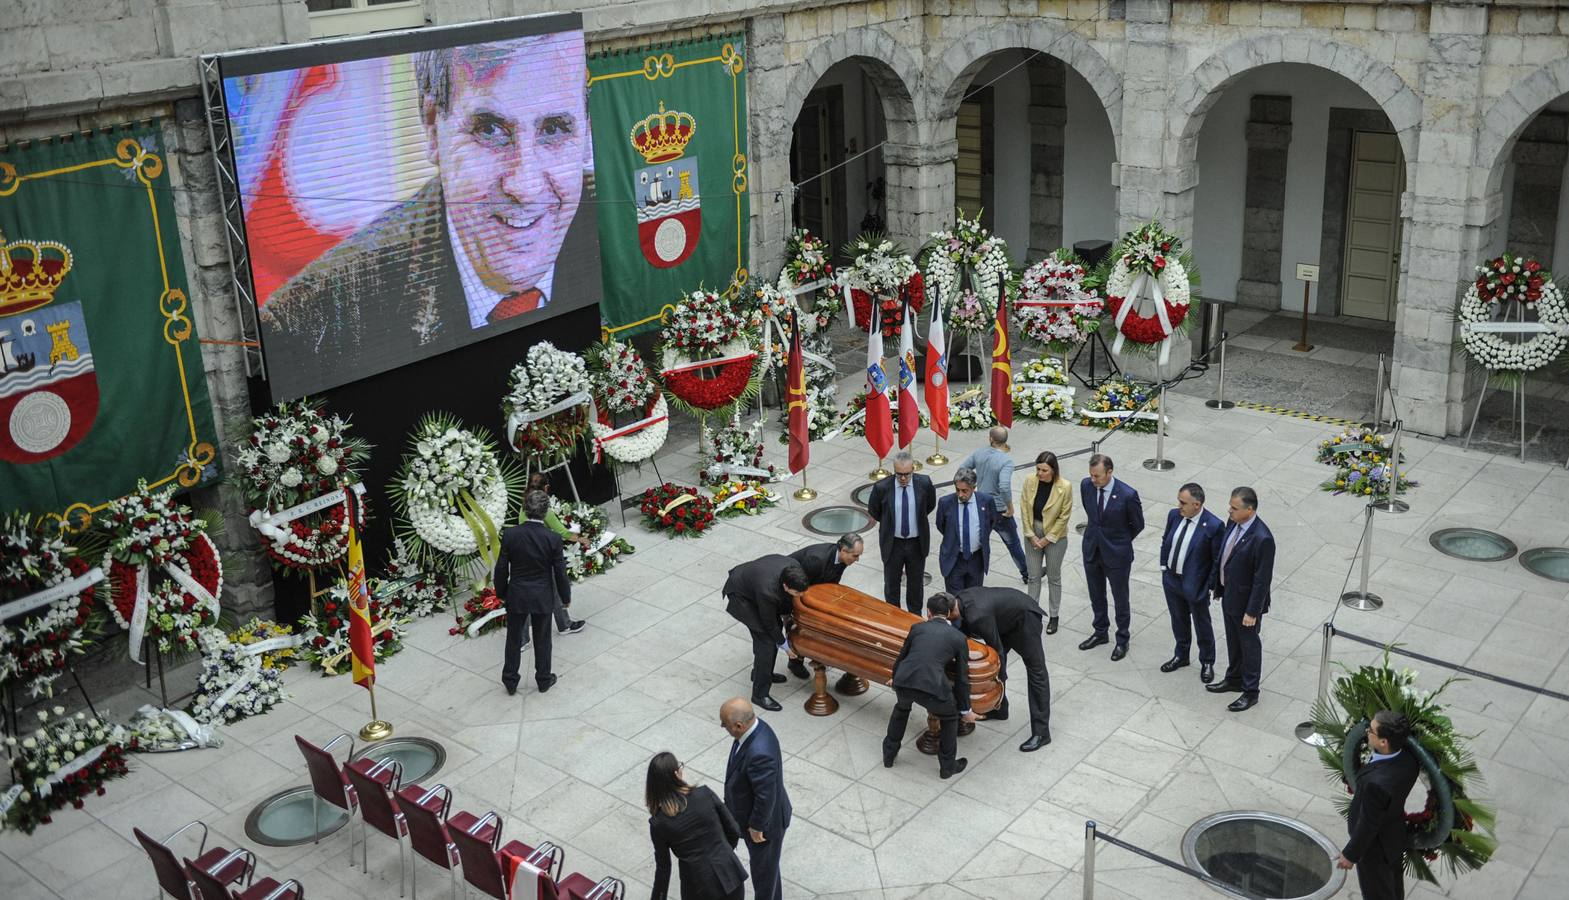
[937, 370]
[909, 412]
[879, 418]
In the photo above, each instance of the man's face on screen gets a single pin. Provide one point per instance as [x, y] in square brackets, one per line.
[512, 146]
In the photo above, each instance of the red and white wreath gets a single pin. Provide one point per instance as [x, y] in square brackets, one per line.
[165, 576]
[1495, 330]
[880, 270]
[631, 418]
[1054, 308]
[293, 467]
[967, 249]
[46, 597]
[706, 362]
[1149, 271]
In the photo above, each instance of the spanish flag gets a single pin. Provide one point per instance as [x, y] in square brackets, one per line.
[362, 646]
[795, 396]
[1002, 369]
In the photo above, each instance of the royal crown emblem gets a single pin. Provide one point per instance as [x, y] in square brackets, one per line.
[663, 136]
[30, 273]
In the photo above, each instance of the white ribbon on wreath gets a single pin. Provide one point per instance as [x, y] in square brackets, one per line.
[87, 758]
[1122, 414]
[522, 417]
[137, 627]
[267, 523]
[658, 419]
[271, 644]
[1136, 293]
[69, 588]
[735, 498]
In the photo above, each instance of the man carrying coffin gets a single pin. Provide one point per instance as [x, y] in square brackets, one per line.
[1007, 619]
[825, 564]
[920, 675]
[759, 595]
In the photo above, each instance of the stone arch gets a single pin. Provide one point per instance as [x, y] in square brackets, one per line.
[1510, 114]
[890, 67]
[954, 70]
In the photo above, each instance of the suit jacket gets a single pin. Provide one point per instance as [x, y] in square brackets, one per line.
[1056, 513]
[932, 646]
[880, 504]
[984, 508]
[532, 569]
[1377, 820]
[1002, 618]
[754, 784]
[1248, 572]
[703, 837]
[1109, 536]
[1199, 567]
[754, 596]
[821, 562]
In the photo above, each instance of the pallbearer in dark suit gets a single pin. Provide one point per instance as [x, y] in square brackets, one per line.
[1187, 561]
[694, 825]
[1006, 619]
[1244, 569]
[825, 563]
[902, 505]
[755, 793]
[531, 577]
[920, 675]
[1116, 516]
[965, 519]
[1377, 821]
[759, 595]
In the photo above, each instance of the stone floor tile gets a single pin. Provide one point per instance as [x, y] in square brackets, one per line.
[928, 848]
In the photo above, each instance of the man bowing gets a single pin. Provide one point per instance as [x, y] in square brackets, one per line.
[1187, 559]
[759, 595]
[1007, 619]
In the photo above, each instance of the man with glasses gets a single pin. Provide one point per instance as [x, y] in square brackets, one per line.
[901, 505]
[1377, 820]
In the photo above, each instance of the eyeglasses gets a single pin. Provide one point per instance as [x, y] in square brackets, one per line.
[904, 476]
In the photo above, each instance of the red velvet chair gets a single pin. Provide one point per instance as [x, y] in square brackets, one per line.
[210, 888]
[578, 887]
[220, 863]
[330, 784]
[376, 783]
[494, 868]
[425, 811]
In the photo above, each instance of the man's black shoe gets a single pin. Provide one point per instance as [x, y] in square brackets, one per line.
[798, 669]
[888, 760]
[1051, 625]
[1035, 742]
[1246, 701]
[1224, 686]
[1173, 664]
[1093, 641]
[767, 703]
[1206, 672]
[511, 689]
[778, 678]
[548, 683]
[574, 627]
[1118, 652]
[958, 766]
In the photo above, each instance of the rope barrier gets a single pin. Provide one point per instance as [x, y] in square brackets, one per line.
[1464, 670]
[1092, 833]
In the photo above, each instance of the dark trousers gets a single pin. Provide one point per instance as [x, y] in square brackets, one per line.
[942, 707]
[1007, 529]
[1033, 654]
[764, 653]
[562, 616]
[764, 859]
[517, 623]
[1380, 879]
[1186, 618]
[905, 558]
[1097, 575]
[966, 573]
[1244, 651]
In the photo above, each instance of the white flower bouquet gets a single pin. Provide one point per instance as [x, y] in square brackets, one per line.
[236, 682]
[968, 251]
[452, 494]
[1041, 392]
[546, 406]
[35, 646]
[64, 762]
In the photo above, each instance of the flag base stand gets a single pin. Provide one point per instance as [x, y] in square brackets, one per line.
[805, 493]
[937, 459]
[878, 473]
[375, 729]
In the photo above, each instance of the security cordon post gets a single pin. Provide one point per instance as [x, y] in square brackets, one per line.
[1362, 598]
[1305, 732]
[1220, 401]
[1392, 503]
[1160, 463]
[1089, 859]
[1378, 397]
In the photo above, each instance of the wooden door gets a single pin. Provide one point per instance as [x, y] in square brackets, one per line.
[816, 149]
[968, 193]
[1371, 267]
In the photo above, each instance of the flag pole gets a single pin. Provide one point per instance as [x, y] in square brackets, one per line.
[805, 493]
[878, 473]
[375, 729]
[937, 459]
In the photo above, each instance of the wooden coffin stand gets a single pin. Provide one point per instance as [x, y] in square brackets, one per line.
[840, 627]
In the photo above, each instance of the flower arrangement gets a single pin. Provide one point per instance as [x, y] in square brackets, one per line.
[482, 613]
[1055, 308]
[1149, 263]
[411, 591]
[164, 574]
[326, 631]
[1453, 827]
[592, 524]
[742, 498]
[971, 413]
[856, 424]
[701, 325]
[293, 454]
[625, 390]
[452, 493]
[274, 643]
[1041, 392]
[1505, 288]
[1119, 399]
[806, 262]
[34, 646]
[735, 449]
[881, 269]
[967, 249]
[1366, 479]
[546, 405]
[167, 730]
[1375, 451]
[237, 682]
[676, 509]
[706, 362]
[822, 414]
[63, 762]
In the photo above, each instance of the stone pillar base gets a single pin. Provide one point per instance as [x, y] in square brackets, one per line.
[1258, 294]
[1142, 366]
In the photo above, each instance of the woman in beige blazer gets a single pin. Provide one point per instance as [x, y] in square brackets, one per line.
[1045, 506]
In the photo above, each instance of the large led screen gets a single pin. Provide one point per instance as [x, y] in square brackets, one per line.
[407, 195]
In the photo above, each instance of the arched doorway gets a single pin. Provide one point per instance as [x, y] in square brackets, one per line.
[841, 186]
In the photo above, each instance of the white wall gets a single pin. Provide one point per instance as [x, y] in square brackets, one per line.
[1010, 141]
[1222, 158]
[1089, 203]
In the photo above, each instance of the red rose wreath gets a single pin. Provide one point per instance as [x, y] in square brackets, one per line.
[46, 597]
[707, 363]
[165, 576]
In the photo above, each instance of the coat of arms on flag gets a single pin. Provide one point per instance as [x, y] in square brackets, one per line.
[669, 208]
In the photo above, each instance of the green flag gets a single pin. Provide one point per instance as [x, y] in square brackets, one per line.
[670, 172]
[101, 379]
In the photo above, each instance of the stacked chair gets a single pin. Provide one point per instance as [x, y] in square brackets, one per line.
[216, 874]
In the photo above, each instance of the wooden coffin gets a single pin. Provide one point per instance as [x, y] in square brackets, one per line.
[842, 628]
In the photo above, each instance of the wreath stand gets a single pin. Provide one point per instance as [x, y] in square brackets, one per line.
[615, 475]
[1517, 403]
[1092, 382]
[11, 709]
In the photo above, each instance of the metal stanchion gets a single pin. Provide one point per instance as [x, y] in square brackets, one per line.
[1378, 398]
[1392, 503]
[1220, 401]
[1362, 598]
[1305, 732]
[1160, 463]
[1089, 859]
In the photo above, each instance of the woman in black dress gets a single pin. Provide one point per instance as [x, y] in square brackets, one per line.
[696, 826]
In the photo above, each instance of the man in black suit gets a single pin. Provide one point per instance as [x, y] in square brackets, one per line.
[1007, 619]
[1187, 561]
[1116, 516]
[825, 563]
[902, 505]
[920, 675]
[755, 793]
[759, 594]
[1243, 570]
[1377, 821]
[531, 577]
[965, 519]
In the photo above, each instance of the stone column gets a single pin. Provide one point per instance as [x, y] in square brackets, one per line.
[1268, 136]
[920, 185]
[1048, 120]
[769, 135]
[1539, 157]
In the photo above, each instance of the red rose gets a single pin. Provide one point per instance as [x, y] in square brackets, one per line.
[680, 527]
[1532, 266]
[320, 642]
[334, 622]
[1508, 278]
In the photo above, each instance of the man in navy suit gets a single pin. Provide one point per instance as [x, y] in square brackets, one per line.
[1243, 570]
[902, 505]
[1116, 517]
[755, 793]
[531, 578]
[965, 518]
[1187, 560]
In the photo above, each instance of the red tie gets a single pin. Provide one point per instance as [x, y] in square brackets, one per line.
[516, 305]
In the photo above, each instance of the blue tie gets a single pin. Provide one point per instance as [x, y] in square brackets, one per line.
[909, 513]
[964, 528]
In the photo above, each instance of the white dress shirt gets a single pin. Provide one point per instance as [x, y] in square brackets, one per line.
[478, 296]
[1179, 554]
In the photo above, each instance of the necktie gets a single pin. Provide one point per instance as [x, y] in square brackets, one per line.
[516, 305]
[1101, 505]
[909, 511]
[964, 528]
[1231, 542]
[1176, 548]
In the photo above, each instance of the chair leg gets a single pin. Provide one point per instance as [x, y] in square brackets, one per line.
[401, 874]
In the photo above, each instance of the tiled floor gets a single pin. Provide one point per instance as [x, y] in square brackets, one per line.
[1142, 753]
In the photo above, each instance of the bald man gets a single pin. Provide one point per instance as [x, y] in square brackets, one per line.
[755, 793]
